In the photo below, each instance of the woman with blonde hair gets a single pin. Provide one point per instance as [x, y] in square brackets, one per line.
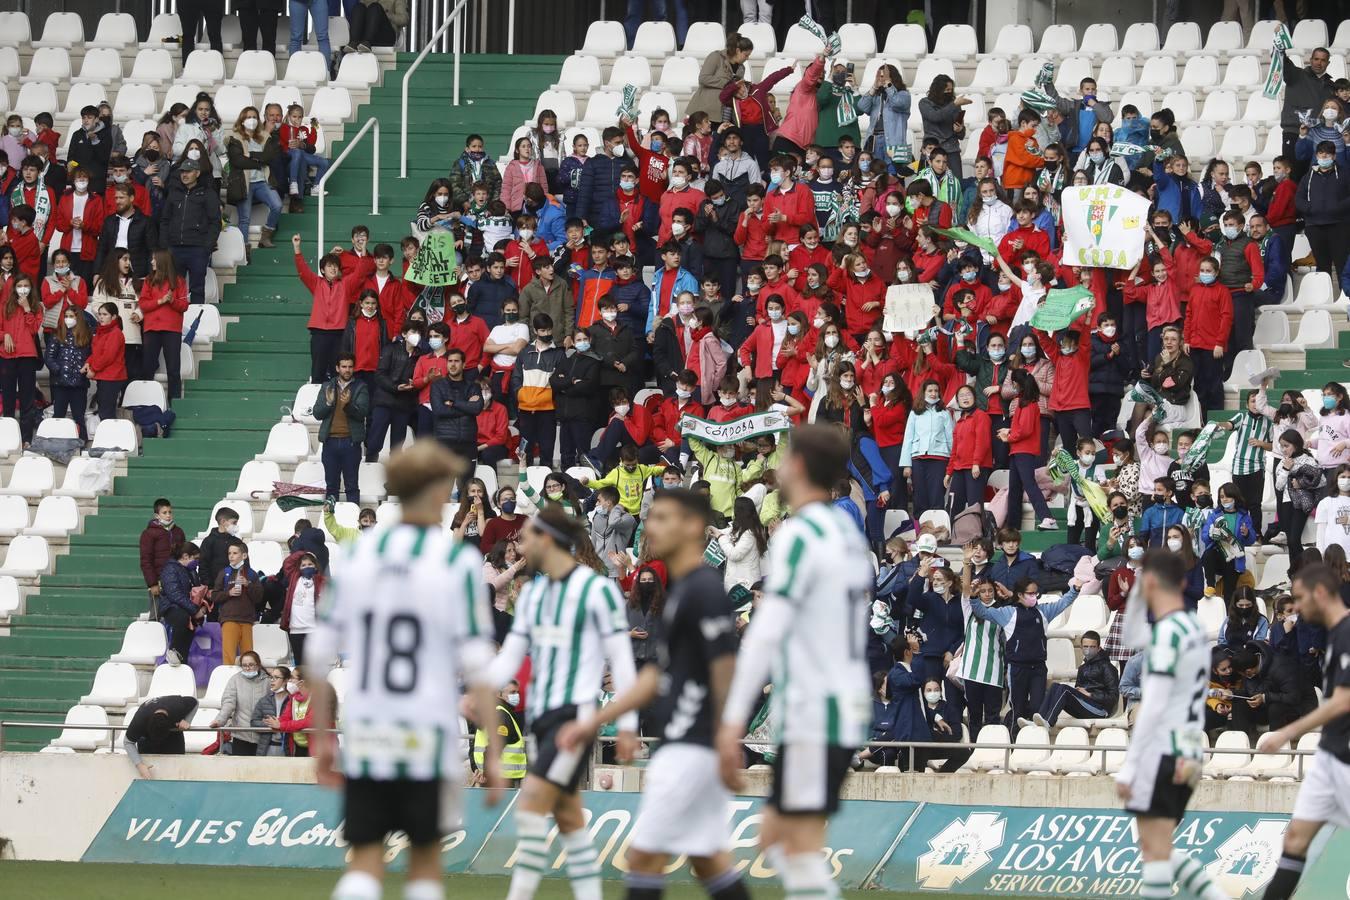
[250, 147]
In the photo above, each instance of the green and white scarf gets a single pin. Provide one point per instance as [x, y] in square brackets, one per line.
[1275, 77]
[831, 41]
[42, 205]
[628, 107]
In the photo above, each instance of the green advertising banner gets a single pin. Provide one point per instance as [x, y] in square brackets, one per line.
[1029, 852]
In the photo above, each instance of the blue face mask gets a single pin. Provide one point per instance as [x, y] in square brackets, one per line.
[1208, 277]
[1328, 402]
[1325, 163]
[308, 571]
[1097, 158]
[658, 146]
[996, 353]
[968, 276]
[775, 179]
[864, 165]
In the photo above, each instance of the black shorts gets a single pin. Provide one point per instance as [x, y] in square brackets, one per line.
[807, 778]
[1167, 800]
[375, 809]
[562, 770]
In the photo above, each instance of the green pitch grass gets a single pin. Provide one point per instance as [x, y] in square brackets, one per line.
[99, 881]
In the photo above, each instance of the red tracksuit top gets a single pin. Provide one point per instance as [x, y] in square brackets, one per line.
[971, 443]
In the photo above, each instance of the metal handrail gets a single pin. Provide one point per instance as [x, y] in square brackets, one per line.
[374, 176]
[456, 19]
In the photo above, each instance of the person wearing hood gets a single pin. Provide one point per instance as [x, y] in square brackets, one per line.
[304, 591]
[157, 541]
[236, 593]
[176, 607]
[90, 149]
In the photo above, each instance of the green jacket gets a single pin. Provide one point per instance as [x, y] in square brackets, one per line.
[358, 407]
[828, 129]
[983, 368]
[725, 476]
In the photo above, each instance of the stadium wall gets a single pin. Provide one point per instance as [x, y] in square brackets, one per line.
[962, 834]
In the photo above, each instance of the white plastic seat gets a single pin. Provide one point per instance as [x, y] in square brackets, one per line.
[142, 644]
[564, 106]
[56, 518]
[1014, 40]
[1058, 40]
[762, 36]
[114, 31]
[1211, 613]
[654, 40]
[956, 42]
[1315, 288]
[86, 478]
[371, 478]
[306, 68]
[1116, 73]
[1183, 37]
[153, 65]
[215, 687]
[171, 681]
[581, 72]
[1221, 107]
[229, 248]
[11, 438]
[1224, 37]
[1200, 72]
[205, 317]
[1247, 364]
[13, 516]
[1223, 764]
[1099, 38]
[256, 68]
[358, 71]
[15, 30]
[651, 101]
[1106, 743]
[801, 44]
[134, 101]
[703, 38]
[1262, 110]
[114, 686]
[265, 557]
[679, 73]
[1025, 759]
[83, 739]
[197, 741]
[1243, 73]
[101, 66]
[1088, 613]
[33, 477]
[1141, 37]
[991, 74]
[279, 525]
[10, 68]
[1060, 659]
[634, 70]
[1073, 753]
[857, 40]
[1158, 72]
[34, 98]
[303, 407]
[986, 758]
[271, 643]
[1272, 327]
[605, 39]
[54, 428]
[163, 27]
[144, 393]
[931, 67]
[1198, 141]
[10, 597]
[600, 108]
[62, 29]
[1341, 43]
[1181, 102]
[1072, 72]
[309, 471]
[907, 41]
[1028, 67]
[1239, 142]
[287, 442]
[332, 105]
[338, 679]
[204, 67]
[1310, 34]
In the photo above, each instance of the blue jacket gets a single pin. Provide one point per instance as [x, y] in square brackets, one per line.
[881, 472]
[684, 281]
[1179, 196]
[176, 583]
[596, 200]
[1156, 520]
[850, 509]
[1345, 278]
[486, 296]
[1272, 259]
[552, 217]
[638, 297]
[1008, 572]
[1025, 627]
[942, 622]
[65, 360]
[1138, 135]
[569, 176]
[894, 106]
[927, 433]
[1245, 532]
[906, 690]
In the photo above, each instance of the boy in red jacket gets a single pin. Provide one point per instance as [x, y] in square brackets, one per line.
[1281, 215]
[1026, 236]
[729, 405]
[752, 231]
[787, 205]
[396, 295]
[356, 264]
[328, 315]
[1209, 318]
[468, 333]
[21, 237]
[666, 423]
[653, 165]
[1069, 401]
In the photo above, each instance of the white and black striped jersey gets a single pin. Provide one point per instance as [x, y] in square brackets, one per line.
[407, 611]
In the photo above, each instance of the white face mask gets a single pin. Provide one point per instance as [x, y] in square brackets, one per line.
[1108, 331]
[727, 401]
[846, 383]
[250, 123]
[70, 322]
[442, 200]
[775, 315]
[609, 315]
[892, 210]
[22, 290]
[526, 234]
[677, 228]
[616, 150]
[683, 394]
[513, 699]
[1343, 484]
[368, 313]
[678, 181]
[1329, 114]
[1160, 449]
[622, 410]
[81, 187]
[831, 340]
[412, 340]
[194, 153]
[1087, 458]
[933, 696]
[1174, 544]
[686, 309]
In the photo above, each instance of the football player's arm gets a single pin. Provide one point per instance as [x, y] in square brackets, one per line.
[1335, 706]
[646, 684]
[767, 630]
[508, 660]
[619, 653]
[1156, 690]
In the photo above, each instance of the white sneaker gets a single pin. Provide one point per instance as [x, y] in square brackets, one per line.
[172, 658]
[314, 191]
[1040, 720]
[295, 188]
[1023, 723]
[1047, 524]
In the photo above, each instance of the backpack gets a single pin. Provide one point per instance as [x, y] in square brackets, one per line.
[1063, 558]
[972, 523]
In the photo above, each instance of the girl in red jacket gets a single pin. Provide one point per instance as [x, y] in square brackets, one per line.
[328, 316]
[972, 456]
[759, 353]
[107, 364]
[19, 320]
[365, 337]
[874, 362]
[1069, 402]
[1209, 316]
[296, 717]
[61, 290]
[1023, 437]
[887, 412]
[864, 294]
[164, 299]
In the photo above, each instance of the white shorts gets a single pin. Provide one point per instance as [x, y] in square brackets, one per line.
[1324, 795]
[685, 807]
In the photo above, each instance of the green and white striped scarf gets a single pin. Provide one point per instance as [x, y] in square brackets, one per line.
[1275, 77]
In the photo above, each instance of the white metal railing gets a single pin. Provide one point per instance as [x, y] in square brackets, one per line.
[456, 19]
[372, 122]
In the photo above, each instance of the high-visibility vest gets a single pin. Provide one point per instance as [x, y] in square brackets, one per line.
[513, 755]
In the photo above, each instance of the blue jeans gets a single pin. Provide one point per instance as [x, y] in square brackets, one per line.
[341, 463]
[298, 163]
[318, 9]
[258, 190]
[635, 17]
[194, 261]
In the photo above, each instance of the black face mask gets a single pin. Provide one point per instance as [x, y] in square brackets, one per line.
[1204, 501]
[646, 589]
[1121, 512]
[1154, 135]
[1244, 613]
[1286, 411]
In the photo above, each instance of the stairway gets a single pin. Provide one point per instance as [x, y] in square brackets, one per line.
[77, 619]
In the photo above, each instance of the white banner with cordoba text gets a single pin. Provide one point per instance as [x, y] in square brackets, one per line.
[734, 430]
[1103, 226]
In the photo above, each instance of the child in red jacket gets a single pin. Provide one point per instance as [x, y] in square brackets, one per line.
[164, 299]
[494, 433]
[752, 231]
[107, 364]
[328, 316]
[21, 238]
[1209, 317]
[729, 405]
[972, 456]
[666, 423]
[1023, 437]
[653, 164]
[522, 250]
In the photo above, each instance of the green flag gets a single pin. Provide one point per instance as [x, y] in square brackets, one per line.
[1062, 308]
[969, 237]
[435, 263]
